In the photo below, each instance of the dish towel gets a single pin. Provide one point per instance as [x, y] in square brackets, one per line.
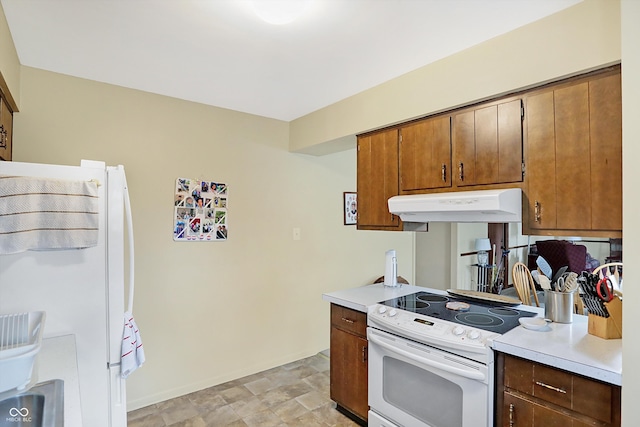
[47, 214]
[132, 350]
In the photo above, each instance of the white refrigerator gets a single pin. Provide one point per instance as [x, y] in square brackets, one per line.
[81, 290]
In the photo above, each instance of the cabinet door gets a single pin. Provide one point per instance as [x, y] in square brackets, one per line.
[487, 144]
[605, 107]
[510, 150]
[348, 371]
[463, 133]
[377, 179]
[541, 161]
[6, 129]
[573, 160]
[519, 412]
[425, 154]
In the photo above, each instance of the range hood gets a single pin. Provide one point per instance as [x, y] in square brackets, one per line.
[464, 206]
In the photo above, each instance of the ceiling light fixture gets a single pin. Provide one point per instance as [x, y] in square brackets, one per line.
[280, 12]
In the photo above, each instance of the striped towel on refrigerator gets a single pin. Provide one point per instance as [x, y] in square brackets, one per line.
[47, 214]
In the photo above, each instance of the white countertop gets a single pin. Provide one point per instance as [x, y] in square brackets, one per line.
[565, 346]
[57, 360]
[362, 297]
[569, 347]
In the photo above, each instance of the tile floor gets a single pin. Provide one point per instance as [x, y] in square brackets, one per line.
[296, 394]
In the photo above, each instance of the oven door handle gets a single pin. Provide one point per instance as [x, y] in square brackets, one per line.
[467, 373]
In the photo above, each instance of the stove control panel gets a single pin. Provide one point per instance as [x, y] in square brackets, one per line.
[429, 330]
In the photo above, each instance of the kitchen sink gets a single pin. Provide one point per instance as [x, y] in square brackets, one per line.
[40, 406]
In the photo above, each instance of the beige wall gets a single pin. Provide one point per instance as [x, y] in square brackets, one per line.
[576, 39]
[212, 312]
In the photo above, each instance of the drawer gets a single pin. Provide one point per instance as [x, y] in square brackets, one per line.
[582, 395]
[349, 320]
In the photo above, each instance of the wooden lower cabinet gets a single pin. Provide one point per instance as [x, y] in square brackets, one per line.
[529, 394]
[348, 361]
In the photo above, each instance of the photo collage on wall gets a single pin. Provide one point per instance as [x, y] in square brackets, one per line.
[200, 210]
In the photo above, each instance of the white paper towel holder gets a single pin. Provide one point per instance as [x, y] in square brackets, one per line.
[391, 269]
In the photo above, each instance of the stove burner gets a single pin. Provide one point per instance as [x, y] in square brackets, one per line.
[432, 298]
[495, 318]
[504, 311]
[479, 319]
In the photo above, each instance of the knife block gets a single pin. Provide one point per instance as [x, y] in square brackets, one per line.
[607, 327]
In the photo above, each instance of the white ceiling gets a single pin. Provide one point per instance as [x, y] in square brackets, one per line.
[218, 52]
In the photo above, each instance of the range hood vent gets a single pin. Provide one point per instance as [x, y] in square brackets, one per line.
[464, 206]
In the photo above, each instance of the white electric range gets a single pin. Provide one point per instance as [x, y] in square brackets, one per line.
[430, 360]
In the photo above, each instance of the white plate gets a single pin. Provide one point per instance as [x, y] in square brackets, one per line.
[533, 323]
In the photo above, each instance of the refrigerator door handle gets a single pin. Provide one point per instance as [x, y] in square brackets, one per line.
[129, 218]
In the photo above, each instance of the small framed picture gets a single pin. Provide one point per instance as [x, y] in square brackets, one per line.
[350, 208]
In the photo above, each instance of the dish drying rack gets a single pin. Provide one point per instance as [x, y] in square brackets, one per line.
[20, 342]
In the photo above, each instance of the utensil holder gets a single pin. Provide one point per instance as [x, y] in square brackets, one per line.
[558, 306]
[607, 327]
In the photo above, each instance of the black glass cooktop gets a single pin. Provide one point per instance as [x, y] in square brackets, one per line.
[490, 317]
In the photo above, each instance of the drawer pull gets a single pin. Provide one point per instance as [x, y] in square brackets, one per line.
[550, 387]
[512, 409]
[348, 320]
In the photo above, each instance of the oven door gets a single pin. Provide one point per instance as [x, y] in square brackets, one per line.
[411, 384]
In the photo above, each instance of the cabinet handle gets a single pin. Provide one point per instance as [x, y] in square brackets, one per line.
[461, 171]
[3, 137]
[512, 410]
[364, 354]
[550, 387]
[347, 320]
[536, 212]
[444, 173]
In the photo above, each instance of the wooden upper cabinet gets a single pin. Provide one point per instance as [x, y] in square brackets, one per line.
[541, 161]
[6, 130]
[378, 180]
[425, 154]
[487, 144]
[605, 106]
[574, 157]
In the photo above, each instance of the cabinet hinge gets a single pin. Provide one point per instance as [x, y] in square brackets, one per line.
[521, 111]
[524, 169]
[400, 137]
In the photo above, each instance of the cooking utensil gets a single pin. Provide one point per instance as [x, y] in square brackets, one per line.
[604, 288]
[534, 274]
[545, 283]
[570, 282]
[544, 267]
[559, 274]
